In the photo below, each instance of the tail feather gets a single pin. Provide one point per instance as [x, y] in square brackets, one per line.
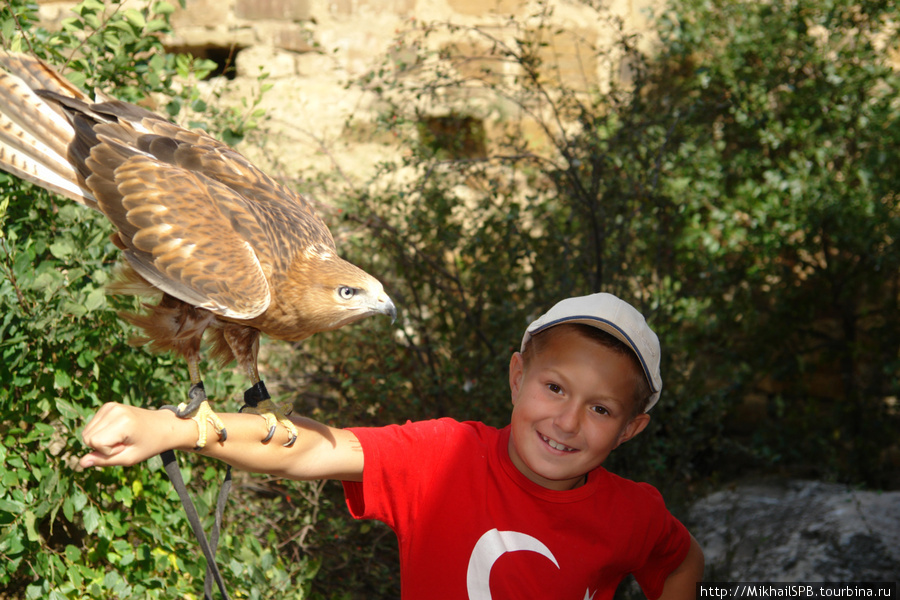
[35, 134]
[37, 75]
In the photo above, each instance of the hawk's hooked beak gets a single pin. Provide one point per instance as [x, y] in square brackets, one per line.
[385, 306]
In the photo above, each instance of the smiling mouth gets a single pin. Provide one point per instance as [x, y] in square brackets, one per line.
[556, 445]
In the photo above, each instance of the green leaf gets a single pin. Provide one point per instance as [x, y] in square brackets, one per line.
[61, 249]
[61, 380]
[79, 499]
[11, 543]
[48, 280]
[29, 518]
[124, 495]
[68, 410]
[96, 299]
[68, 508]
[92, 5]
[135, 18]
[11, 506]
[163, 8]
[91, 518]
[73, 554]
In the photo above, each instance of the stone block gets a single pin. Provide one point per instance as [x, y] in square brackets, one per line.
[201, 13]
[294, 39]
[347, 8]
[476, 61]
[51, 13]
[290, 10]
[277, 63]
[209, 37]
[569, 59]
[486, 7]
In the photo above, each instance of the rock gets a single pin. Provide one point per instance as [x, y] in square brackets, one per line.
[798, 531]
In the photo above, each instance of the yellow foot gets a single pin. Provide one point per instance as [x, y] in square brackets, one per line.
[202, 415]
[273, 415]
[199, 411]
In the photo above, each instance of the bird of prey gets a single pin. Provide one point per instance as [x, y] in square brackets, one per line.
[232, 252]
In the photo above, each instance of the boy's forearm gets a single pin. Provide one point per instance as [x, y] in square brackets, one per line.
[126, 435]
[320, 452]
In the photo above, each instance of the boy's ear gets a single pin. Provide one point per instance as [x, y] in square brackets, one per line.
[634, 427]
[516, 374]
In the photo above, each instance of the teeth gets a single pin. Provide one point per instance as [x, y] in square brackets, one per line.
[557, 445]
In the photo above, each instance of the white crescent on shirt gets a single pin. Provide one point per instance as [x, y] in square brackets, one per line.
[489, 548]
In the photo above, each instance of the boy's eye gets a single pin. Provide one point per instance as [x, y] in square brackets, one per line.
[554, 388]
[600, 410]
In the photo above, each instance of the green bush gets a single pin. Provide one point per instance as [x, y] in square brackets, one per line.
[111, 533]
[785, 166]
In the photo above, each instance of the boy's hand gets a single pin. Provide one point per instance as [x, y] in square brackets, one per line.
[126, 435]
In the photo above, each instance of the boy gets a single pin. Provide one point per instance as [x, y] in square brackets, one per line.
[524, 511]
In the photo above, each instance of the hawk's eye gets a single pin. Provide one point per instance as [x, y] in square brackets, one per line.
[346, 292]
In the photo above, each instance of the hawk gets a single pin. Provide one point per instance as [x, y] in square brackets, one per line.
[232, 252]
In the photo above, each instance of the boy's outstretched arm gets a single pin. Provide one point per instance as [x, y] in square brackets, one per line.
[126, 435]
[682, 582]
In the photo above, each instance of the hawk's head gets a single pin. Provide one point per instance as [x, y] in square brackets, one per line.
[323, 292]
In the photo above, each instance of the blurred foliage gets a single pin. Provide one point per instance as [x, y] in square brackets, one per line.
[111, 533]
[738, 186]
[786, 155]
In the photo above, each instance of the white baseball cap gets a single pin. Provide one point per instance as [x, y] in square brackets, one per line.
[616, 317]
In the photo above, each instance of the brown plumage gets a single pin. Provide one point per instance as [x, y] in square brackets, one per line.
[233, 252]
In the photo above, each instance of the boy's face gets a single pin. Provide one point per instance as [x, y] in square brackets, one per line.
[571, 407]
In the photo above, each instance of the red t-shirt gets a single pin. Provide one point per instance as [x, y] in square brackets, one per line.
[470, 525]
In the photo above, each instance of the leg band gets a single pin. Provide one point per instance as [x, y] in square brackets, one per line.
[256, 394]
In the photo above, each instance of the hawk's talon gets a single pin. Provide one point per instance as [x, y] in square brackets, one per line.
[199, 411]
[291, 441]
[273, 415]
[203, 415]
[197, 396]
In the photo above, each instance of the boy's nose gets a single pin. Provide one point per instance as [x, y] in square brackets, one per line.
[568, 418]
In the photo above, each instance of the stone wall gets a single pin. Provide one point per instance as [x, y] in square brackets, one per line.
[312, 48]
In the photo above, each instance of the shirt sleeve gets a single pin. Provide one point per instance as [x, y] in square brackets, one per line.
[669, 544]
[399, 464]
